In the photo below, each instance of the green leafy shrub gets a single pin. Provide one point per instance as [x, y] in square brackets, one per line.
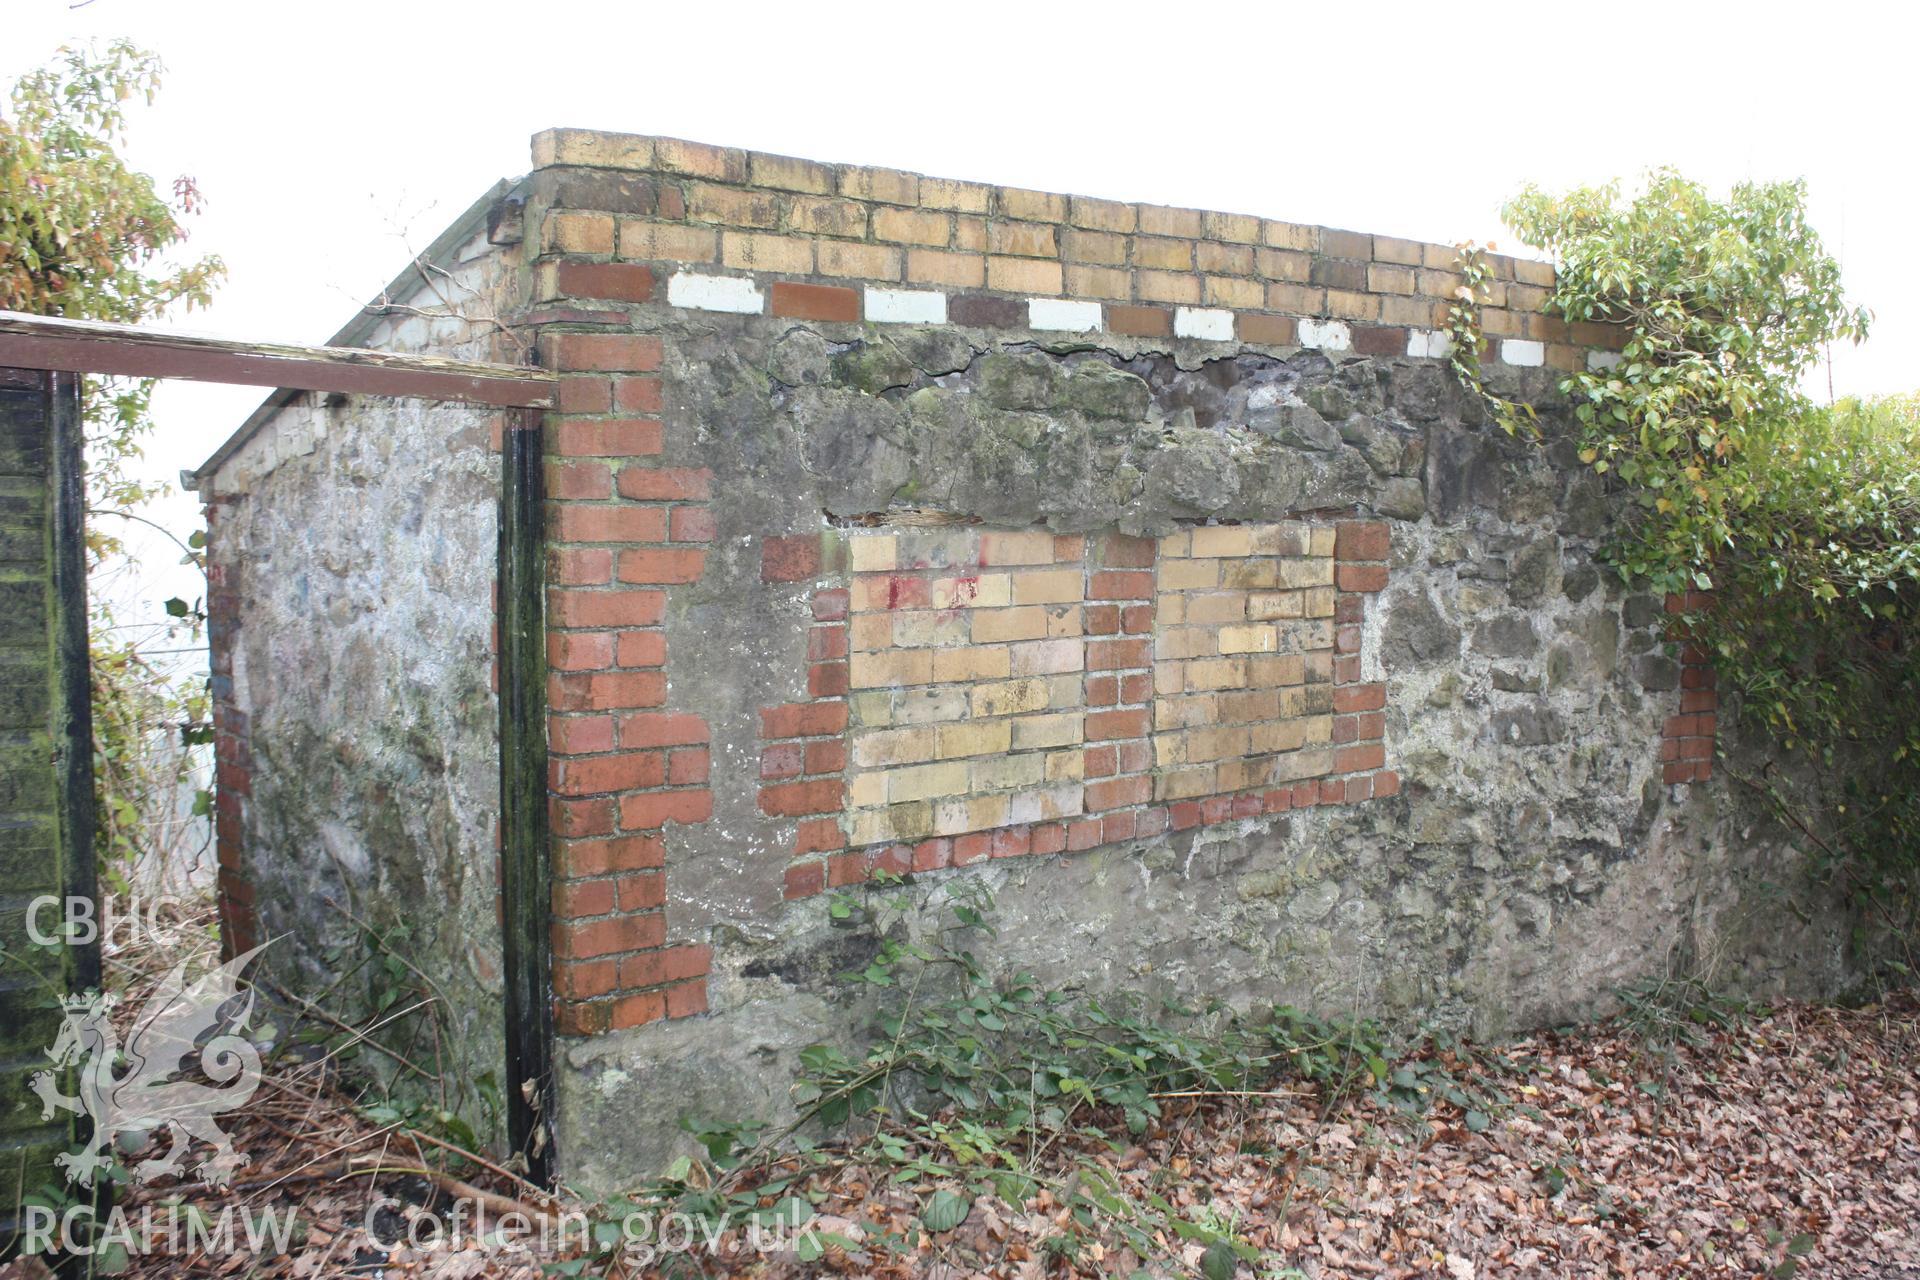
[1727, 305]
[1814, 625]
[1802, 520]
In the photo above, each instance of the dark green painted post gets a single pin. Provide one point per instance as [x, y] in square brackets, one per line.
[46, 753]
[73, 668]
[526, 892]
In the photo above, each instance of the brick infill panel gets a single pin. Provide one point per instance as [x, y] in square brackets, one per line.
[980, 694]
[1687, 738]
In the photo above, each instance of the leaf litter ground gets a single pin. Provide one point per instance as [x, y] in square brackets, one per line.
[1786, 1142]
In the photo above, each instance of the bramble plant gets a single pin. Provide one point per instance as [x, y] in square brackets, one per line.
[1802, 520]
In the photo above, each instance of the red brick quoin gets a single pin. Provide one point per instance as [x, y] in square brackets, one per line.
[803, 764]
[623, 531]
[1686, 746]
[804, 756]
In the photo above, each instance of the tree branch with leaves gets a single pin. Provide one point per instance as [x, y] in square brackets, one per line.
[85, 236]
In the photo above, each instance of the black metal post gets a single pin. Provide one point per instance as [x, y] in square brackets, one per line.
[526, 893]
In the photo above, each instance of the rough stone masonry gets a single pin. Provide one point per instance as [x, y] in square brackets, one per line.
[1145, 564]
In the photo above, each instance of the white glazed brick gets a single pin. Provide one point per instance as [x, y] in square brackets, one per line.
[1328, 335]
[1063, 313]
[1208, 323]
[1521, 352]
[1431, 344]
[1598, 360]
[906, 306]
[716, 293]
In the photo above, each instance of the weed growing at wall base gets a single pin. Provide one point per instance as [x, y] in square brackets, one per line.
[972, 1085]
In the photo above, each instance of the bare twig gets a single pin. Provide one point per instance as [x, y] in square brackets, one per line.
[359, 1034]
[473, 309]
[486, 1164]
[1233, 1093]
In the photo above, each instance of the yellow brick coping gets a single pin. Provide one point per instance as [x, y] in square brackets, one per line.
[1135, 269]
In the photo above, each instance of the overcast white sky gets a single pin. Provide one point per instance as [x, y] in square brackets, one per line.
[327, 137]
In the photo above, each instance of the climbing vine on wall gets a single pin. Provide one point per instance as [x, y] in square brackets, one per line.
[1802, 520]
[1465, 341]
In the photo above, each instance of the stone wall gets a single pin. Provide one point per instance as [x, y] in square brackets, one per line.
[1186, 601]
[351, 550]
[1144, 564]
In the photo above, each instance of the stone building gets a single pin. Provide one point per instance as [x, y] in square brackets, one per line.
[1144, 563]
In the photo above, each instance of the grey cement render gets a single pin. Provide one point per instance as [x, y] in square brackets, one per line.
[1533, 862]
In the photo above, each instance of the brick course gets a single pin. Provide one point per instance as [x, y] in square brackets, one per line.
[834, 223]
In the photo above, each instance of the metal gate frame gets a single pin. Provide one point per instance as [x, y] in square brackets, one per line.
[67, 349]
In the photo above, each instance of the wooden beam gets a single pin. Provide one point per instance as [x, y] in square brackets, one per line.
[84, 346]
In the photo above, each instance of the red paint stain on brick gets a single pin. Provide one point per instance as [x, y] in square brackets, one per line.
[906, 592]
